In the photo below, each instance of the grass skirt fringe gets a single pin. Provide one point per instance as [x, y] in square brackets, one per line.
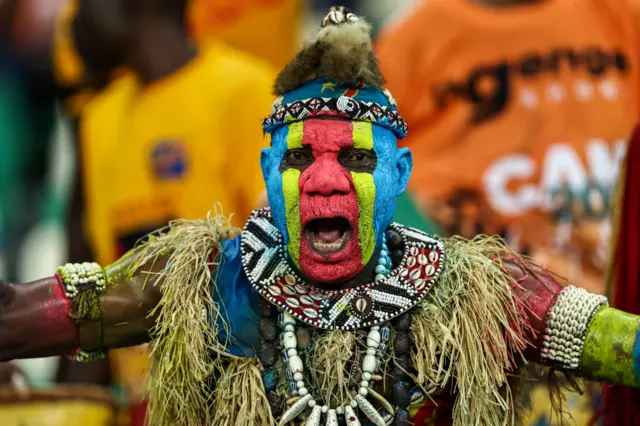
[186, 349]
[239, 399]
[469, 331]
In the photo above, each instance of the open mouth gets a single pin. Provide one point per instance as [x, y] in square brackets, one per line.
[328, 235]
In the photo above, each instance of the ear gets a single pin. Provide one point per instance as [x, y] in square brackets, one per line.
[265, 164]
[404, 165]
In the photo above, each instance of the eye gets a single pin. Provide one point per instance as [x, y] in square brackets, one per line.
[297, 159]
[358, 160]
[358, 157]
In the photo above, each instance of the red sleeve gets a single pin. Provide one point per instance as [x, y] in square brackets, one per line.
[539, 290]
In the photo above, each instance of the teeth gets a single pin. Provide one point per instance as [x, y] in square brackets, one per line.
[327, 246]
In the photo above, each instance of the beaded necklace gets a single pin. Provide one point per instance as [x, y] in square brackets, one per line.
[393, 292]
[289, 304]
[302, 399]
[307, 400]
[369, 363]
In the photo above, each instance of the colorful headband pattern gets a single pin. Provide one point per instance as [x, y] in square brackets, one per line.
[355, 101]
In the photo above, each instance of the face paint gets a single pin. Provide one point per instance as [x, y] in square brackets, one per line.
[366, 192]
[291, 191]
[326, 192]
[334, 218]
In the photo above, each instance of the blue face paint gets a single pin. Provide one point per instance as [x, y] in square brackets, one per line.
[270, 162]
[391, 176]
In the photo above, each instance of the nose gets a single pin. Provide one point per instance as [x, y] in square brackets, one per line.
[325, 177]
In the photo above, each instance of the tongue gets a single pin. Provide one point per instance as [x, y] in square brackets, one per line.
[328, 235]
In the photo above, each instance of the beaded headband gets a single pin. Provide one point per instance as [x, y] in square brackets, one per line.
[356, 101]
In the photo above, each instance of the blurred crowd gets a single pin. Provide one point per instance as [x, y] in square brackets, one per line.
[118, 116]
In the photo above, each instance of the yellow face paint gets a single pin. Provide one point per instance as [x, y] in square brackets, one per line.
[294, 137]
[362, 135]
[365, 191]
[291, 191]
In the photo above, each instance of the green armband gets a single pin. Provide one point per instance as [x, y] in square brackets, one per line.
[612, 348]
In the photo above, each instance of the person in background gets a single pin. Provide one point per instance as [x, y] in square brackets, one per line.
[167, 122]
[208, 22]
[519, 113]
[529, 114]
[161, 114]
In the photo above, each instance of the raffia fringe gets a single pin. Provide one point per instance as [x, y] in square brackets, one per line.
[469, 331]
[331, 355]
[186, 349]
[85, 306]
[239, 399]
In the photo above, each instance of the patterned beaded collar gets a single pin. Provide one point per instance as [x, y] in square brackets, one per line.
[264, 260]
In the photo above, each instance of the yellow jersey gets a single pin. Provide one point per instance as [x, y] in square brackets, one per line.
[174, 148]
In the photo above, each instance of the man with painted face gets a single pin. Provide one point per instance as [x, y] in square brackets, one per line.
[322, 309]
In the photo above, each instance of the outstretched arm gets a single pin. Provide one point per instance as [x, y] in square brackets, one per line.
[35, 320]
[575, 330]
[44, 318]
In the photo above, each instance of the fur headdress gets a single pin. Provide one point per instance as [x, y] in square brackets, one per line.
[340, 51]
[335, 74]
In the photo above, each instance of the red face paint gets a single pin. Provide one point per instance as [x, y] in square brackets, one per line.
[326, 192]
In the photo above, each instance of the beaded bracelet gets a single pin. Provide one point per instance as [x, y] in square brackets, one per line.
[79, 278]
[567, 326]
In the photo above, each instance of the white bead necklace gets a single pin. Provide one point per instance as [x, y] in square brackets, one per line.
[369, 363]
[307, 400]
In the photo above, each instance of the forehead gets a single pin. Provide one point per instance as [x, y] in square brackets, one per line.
[324, 135]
